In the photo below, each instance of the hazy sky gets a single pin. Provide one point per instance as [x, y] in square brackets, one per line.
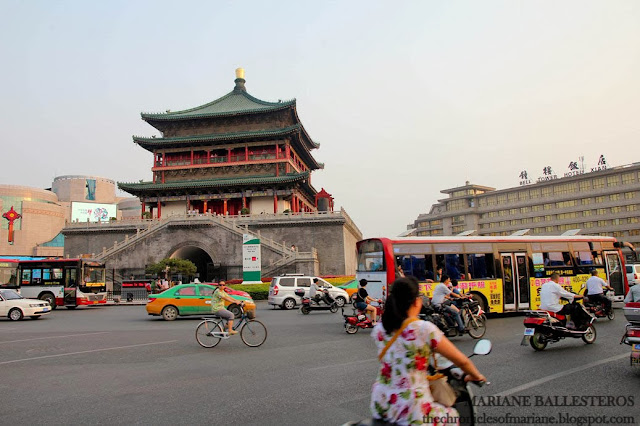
[406, 98]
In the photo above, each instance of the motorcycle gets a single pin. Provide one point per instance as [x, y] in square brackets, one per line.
[456, 378]
[600, 310]
[543, 327]
[309, 304]
[358, 320]
[631, 335]
[472, 314]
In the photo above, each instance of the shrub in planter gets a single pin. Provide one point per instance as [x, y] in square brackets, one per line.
[244, 210]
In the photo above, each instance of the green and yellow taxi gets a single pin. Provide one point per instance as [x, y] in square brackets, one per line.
[193, 299]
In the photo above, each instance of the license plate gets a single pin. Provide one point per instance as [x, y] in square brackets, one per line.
[529, 331]
[45, 309]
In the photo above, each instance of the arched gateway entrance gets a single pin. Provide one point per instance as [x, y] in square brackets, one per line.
[207, 270]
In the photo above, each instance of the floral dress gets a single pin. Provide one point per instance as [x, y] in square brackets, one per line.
[401, 392]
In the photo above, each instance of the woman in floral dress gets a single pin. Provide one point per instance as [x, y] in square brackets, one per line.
[401, 392]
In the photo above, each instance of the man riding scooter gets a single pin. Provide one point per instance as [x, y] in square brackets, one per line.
[317, 294]
[442, 292]
[550, 294]
[595, 290]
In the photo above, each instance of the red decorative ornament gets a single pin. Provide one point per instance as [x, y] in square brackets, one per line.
[11, 216]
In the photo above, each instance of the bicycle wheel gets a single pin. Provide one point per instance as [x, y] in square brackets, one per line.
[204, 331]
[253, 333]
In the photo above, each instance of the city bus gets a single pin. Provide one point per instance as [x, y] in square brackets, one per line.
[504, 274]
[61, 282]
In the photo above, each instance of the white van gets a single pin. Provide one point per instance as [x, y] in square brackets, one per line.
[282, 290]
[633, 273]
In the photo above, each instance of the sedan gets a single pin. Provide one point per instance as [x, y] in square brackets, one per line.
[193, 299]
[16, 307]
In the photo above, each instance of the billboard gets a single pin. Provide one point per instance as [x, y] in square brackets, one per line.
[251, 263]
[93, 212]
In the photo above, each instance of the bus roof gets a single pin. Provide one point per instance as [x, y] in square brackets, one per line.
[19, 258]
[61, 260]
[500, 239]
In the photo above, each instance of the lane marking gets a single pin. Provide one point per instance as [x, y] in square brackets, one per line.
[560, 374]
[343, 364]
[54, 337]
[85, 352]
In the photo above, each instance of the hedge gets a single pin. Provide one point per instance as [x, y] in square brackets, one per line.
[261, 291]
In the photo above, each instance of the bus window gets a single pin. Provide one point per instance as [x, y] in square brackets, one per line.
[481, 266]
[454, 266]
[46, 274]
[597, 258]
[584, 261]
[57, 274]
[371, 257]
[557, 259]
[36, 276]
[429, 273]
[413, 265]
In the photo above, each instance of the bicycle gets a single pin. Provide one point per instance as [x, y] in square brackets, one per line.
[212, 330]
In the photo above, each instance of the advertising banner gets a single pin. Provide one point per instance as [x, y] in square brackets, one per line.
[251, 264]
[92, 212]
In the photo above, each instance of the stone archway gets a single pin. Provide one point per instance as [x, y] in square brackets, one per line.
[200, 257]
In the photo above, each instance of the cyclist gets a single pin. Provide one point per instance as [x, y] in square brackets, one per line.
[217, 305]
[363, 299]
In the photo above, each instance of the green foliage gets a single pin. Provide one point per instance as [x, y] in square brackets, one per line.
[256, 291]
[146, 215]
[176, 266]
[244, 210]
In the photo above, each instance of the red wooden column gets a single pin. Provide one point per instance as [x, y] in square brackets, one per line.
[275, 204]
[208, 156]
[192, 157]
[244, 202]
[246, 153]
[228, 155]
[142, 211]
[287, 155]
[205, 206]
[159, 209]
[224, 207]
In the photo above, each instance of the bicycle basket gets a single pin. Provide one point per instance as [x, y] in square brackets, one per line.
[251, 314]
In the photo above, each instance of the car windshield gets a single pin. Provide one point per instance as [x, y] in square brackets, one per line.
[10, 295]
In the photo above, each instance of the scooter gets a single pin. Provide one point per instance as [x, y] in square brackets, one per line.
[631, 335]
[456, 378]
[543, 327]
[473, 318]
[358, 320]
[308, 304]
[600, 310]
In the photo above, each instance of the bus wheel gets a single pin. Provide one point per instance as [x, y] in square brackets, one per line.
[481, 301]
[48, 297]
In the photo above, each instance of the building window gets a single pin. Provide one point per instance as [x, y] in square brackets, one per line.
[512, 196]
[502, 199]
[549, 228]
[634, 232]
[536, 208]
[614, 197]
[629, 195]
[513, 211]
[515, 221]
[537, 219]
[615, 222]
[534, 193]
[546, 192]
[548, 218]
[585, 185]
[602, 211]
[524, 209]
[613, 180]
[589, 224]
[599, 199]
[457, 229]
[598, 183]
[548, 206]
[617, 209]
[586, 201]
[633, 220]
[632, 207]
[604, 222]
[628, 178]
[587, 213]
[618, 234]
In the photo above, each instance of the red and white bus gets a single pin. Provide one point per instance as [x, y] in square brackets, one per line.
[503, 273]
[61, 282]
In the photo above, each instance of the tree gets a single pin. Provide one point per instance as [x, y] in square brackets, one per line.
[172, 266]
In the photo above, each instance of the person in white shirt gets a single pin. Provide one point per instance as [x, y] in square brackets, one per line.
[633, 295]
[595, 290]
[442, 292]
[314, 291]
[550, 294]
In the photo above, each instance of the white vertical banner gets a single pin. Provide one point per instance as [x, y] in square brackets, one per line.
[251, 263]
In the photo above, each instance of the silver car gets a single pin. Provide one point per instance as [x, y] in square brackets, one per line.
[282, 290]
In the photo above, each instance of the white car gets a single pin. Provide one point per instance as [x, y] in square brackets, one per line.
[282, 290]
[16, 307]
[633, 273]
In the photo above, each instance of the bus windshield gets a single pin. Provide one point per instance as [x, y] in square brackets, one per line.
[371, 256]
[94, 275]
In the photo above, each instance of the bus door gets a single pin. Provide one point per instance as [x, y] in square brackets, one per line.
[515, 277]
[70, 285]
[614, 272]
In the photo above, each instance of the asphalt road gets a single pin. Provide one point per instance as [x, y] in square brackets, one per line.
[114, 365]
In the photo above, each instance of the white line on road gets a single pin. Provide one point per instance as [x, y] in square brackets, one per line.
[85, 352]
[344, 364]
[560, 374]
[53, 337]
